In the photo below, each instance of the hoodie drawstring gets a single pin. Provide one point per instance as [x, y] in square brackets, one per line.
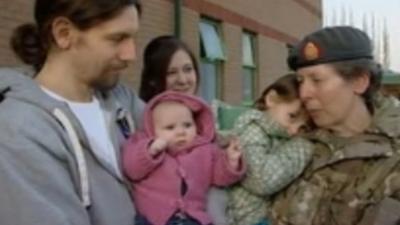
[79, 155]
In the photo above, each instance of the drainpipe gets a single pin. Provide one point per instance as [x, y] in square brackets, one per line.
[177, 18]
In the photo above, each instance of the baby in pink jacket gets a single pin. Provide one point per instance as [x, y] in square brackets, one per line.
[175, 161]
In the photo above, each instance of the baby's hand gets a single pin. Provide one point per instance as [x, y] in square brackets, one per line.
[234, 152]
[157, 146]
[223, 139]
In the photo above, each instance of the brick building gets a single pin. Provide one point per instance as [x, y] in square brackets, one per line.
[240, 44]
[391, 83]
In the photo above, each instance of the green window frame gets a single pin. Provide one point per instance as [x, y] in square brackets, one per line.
[249, 67]
[212, 58]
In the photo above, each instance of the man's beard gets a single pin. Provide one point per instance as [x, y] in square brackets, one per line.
[108, 80]
[104, 85]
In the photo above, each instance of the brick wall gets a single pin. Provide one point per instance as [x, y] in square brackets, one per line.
[276, 22]
[287, 16]
[12, 14]
[391, 90]
[157, 19]
[232, 77]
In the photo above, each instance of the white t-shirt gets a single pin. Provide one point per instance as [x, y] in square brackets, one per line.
[92, 118]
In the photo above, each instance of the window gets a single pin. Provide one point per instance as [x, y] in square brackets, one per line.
[212, 57]
[249, 68]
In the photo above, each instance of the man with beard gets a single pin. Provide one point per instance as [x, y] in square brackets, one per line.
[61, 132]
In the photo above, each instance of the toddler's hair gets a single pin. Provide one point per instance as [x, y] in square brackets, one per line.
[287, 88]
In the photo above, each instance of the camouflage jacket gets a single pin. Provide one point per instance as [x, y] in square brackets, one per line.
[351, 181]
[273, 161]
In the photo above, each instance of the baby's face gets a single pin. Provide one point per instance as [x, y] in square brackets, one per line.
[291, 115]
[174, 123]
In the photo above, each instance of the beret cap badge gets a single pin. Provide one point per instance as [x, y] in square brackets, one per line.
[330, 44]
[311, 51]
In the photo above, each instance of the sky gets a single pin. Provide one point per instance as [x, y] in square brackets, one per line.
[382, 11]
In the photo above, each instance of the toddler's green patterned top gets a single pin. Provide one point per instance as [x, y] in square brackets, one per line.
[273, 160]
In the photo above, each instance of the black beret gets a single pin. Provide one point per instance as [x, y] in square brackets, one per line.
[330, 44]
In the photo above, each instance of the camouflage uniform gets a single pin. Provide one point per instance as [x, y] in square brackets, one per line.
[273, 161]
[351, 181]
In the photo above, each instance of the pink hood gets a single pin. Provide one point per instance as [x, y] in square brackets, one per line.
[202, 113]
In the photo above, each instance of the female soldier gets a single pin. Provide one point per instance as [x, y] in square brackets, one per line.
[354, 177]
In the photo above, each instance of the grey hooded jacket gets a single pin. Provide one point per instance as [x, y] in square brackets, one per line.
[48, 173]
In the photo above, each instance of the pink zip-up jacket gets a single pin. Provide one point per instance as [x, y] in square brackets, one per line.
[157, 181]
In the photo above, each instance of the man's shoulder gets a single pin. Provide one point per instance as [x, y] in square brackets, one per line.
[15, 115]
[27, 129]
